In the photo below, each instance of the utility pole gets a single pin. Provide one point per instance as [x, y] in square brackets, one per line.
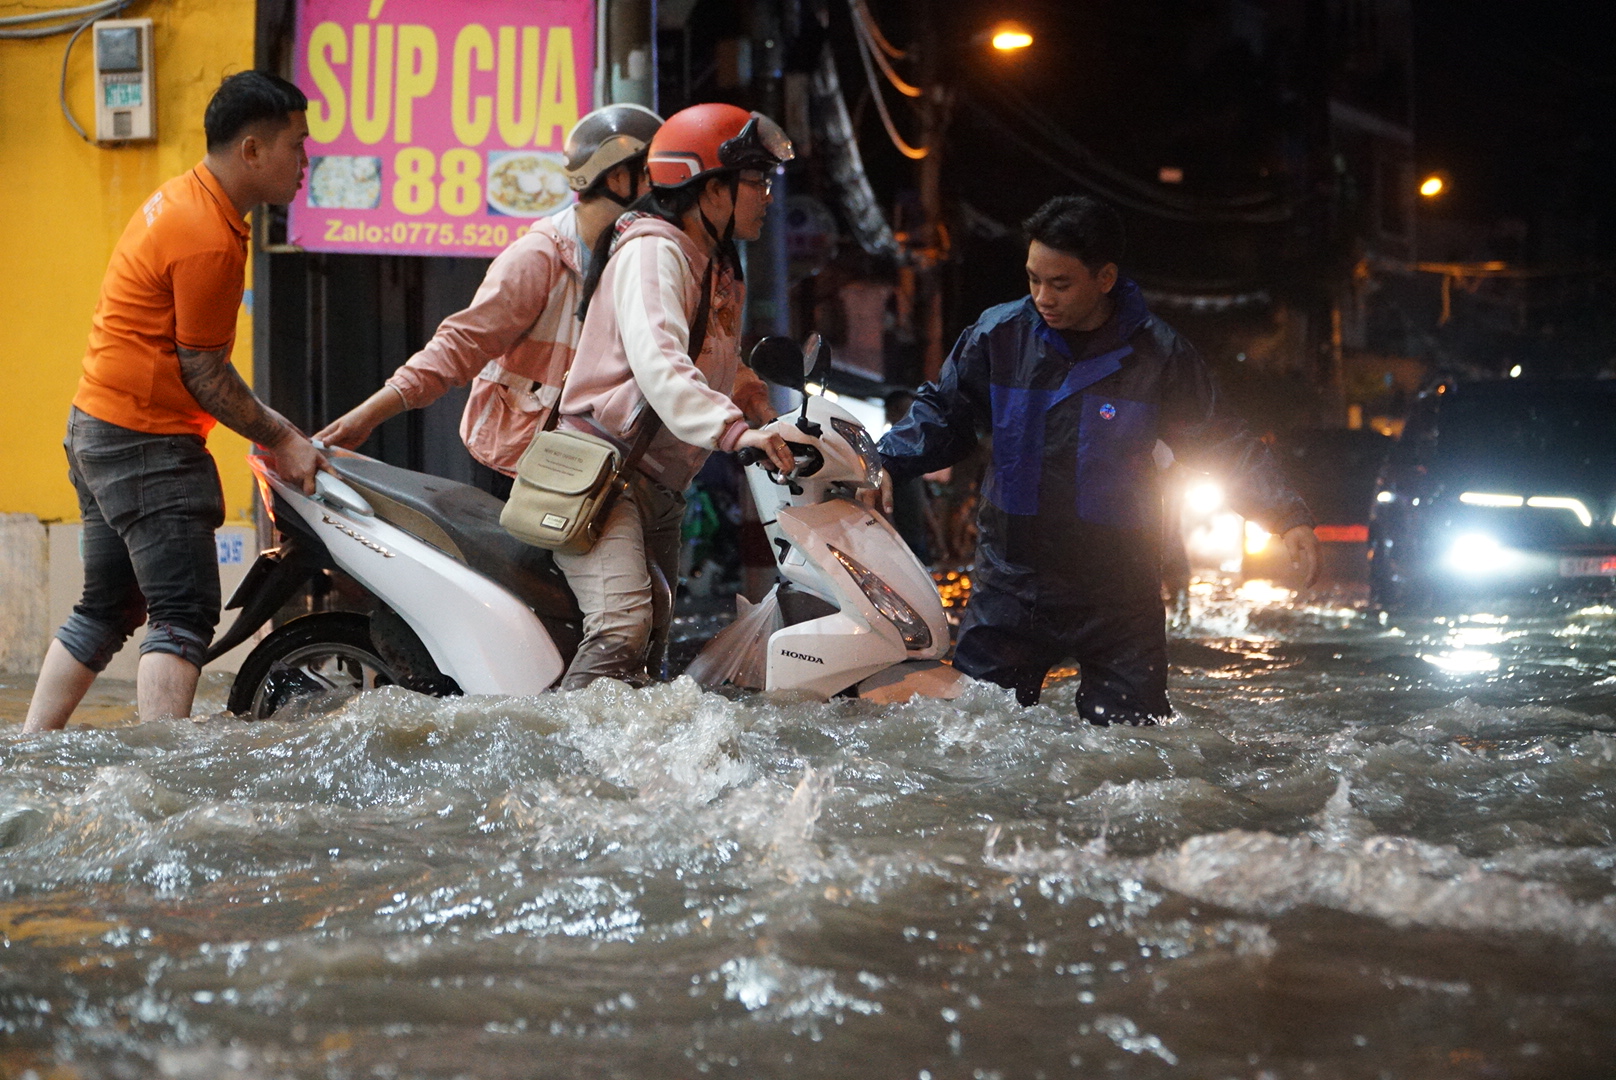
[625, 53]
[768, 284]
[929, 249]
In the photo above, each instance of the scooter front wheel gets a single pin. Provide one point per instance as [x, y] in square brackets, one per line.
[317, 654]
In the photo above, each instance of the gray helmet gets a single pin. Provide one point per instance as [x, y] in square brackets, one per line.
[606, 137]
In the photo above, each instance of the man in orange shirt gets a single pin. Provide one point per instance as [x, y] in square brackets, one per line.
[157, 376]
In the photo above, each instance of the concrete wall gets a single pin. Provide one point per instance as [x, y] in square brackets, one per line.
[24, 606]
[42, 578]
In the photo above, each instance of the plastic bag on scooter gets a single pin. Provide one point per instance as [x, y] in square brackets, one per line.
[739, 653]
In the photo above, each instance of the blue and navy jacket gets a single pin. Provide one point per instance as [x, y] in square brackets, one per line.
[1071, 505]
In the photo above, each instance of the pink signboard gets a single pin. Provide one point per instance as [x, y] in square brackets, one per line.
[436, 126]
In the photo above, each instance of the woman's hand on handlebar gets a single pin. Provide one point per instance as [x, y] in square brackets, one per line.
[774, 449]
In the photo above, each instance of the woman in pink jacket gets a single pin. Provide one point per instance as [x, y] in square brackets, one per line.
[661, 345]
[517, 339]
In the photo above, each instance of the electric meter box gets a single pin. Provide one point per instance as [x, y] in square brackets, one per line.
[124, 105]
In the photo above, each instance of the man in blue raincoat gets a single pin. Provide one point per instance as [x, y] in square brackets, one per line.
[1076, 383]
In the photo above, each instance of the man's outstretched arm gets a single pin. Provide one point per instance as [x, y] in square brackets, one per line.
[218, 388]
[941, 428]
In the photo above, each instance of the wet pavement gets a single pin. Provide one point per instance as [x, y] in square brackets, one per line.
[1358, 850]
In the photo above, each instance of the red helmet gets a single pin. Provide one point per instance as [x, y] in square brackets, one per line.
[705, 139]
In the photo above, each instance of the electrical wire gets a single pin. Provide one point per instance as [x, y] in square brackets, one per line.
[55, 13]
[1121, 188]
[1116, 195]
[913, 153]
[1258, 204]
[870, 38]
[861, 11]
[61, 88]
[64, 20]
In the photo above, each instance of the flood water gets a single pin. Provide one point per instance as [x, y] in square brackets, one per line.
[1358, 850]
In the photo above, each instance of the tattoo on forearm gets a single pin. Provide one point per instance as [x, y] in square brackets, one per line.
[219, 389]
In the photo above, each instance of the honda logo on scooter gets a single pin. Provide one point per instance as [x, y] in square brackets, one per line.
[802, 656]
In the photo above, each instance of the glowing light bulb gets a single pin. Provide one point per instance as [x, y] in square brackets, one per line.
[1010, 38]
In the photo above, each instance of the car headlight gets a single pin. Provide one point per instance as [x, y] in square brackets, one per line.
[916, 634]
[1485, 498]
[1536, 502]
[1551, 502]
[863, 446]
[1478, 553]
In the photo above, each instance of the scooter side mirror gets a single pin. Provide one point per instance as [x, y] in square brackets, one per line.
[816, 360]
[778, 360]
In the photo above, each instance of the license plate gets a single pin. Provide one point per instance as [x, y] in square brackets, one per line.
[1596, 566]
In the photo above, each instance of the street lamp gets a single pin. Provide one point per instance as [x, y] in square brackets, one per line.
[926, 245]
[1008, 37]
[1432, 186]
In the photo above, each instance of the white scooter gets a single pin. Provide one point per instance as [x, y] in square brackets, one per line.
[423, 588]
[858, 612]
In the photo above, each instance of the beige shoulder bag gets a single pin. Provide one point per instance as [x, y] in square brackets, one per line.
[566, 482]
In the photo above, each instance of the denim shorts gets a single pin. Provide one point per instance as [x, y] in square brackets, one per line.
[150, 505]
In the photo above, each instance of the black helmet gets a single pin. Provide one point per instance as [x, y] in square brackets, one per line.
[605, 138]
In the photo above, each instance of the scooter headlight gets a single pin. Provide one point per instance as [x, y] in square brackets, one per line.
[916, 634]
[863, 446]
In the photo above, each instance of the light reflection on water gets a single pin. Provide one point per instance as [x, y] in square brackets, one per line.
[1338, 860]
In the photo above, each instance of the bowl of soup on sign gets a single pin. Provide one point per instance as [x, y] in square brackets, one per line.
[526, 184]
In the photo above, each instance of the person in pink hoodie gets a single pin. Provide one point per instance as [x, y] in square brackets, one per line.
[516, 341]
[661, 345]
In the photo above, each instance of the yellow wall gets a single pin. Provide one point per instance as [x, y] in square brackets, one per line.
[63, 204]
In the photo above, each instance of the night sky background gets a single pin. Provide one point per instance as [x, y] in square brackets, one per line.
[1518, 103]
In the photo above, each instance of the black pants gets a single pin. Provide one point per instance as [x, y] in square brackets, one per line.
[1121, 650]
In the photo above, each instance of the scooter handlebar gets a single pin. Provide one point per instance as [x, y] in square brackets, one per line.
[808, 455]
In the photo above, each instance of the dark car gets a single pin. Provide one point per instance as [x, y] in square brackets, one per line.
[1497, 487]
[1334, 470]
